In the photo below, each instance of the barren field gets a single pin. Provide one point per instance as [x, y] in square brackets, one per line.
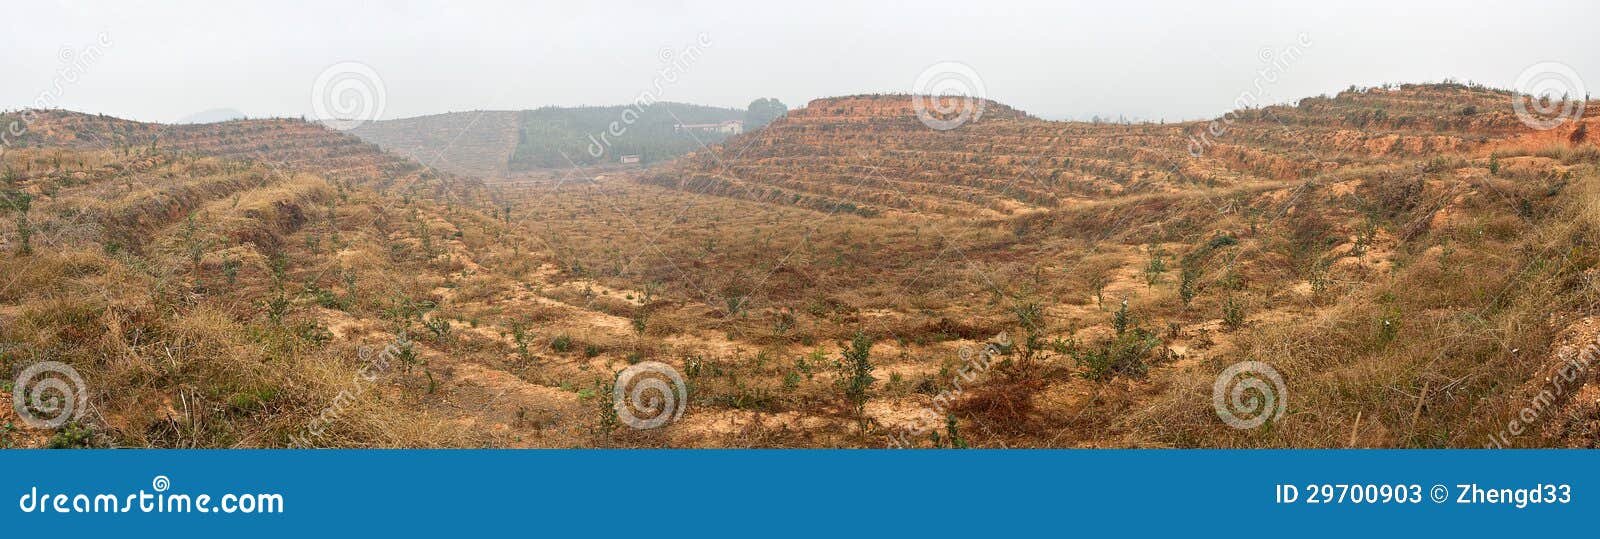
[1411, 260]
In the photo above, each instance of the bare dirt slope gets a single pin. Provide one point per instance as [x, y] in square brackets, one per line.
[1410, 260]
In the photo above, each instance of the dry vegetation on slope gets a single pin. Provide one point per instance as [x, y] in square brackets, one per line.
[1412, 260]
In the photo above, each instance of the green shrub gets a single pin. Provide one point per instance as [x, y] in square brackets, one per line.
[1186, 284]
[1233, 312]
[1155, 268]
[1125, 354]
[72, 436]
[856, 370]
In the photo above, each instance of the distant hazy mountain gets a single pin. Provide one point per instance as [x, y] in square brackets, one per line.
[495, 143]
[476, 143]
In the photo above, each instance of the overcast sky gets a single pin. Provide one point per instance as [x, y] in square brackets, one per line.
[164, 61]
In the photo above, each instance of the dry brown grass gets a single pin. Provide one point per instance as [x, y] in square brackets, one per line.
[318, 246]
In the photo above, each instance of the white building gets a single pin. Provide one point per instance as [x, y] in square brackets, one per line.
[730, 127]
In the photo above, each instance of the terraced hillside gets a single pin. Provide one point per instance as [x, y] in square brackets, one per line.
[1404, 255]
[287, 145]
[1413, 261]
[873, 153]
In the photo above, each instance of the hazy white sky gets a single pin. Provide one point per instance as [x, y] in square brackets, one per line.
[163, 61]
